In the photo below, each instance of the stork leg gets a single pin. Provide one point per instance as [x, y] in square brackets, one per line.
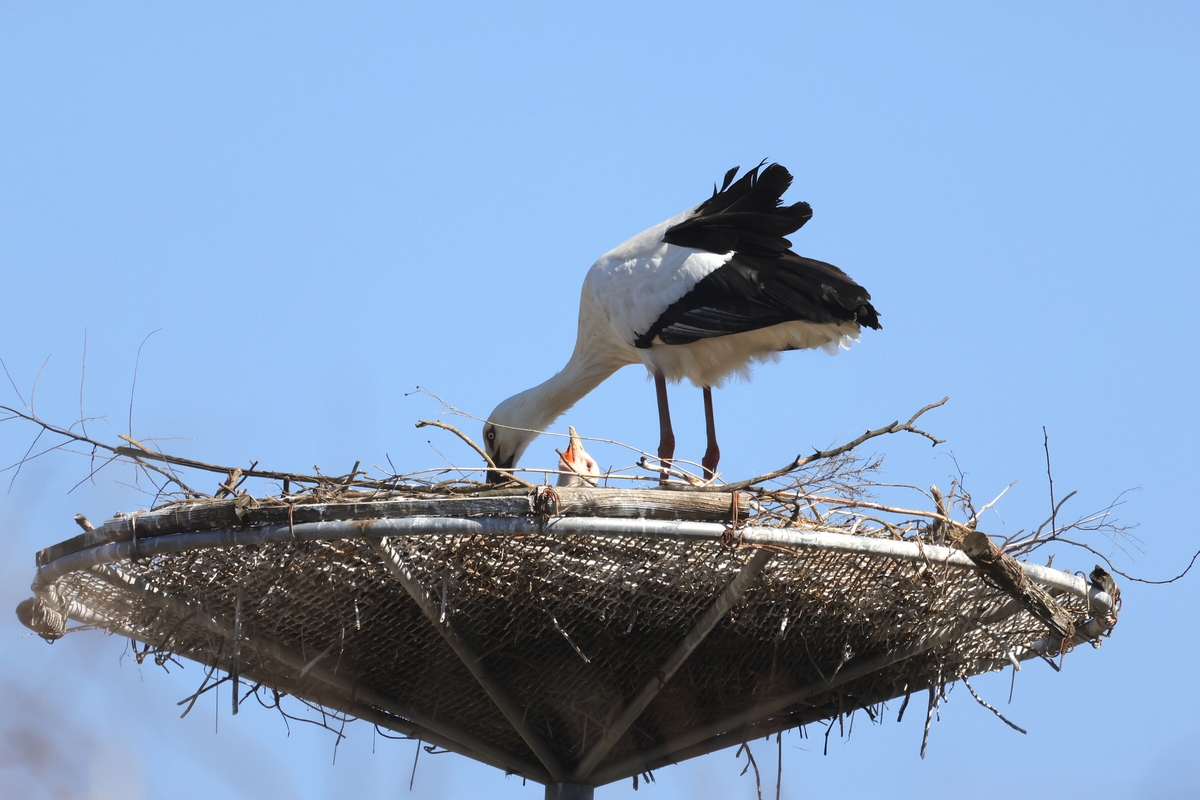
[712, 453]
[666, 436]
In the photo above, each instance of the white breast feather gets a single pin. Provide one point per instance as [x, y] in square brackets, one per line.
[708, 362]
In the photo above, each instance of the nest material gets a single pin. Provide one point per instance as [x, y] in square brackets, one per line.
[578, 635]
[525, 629]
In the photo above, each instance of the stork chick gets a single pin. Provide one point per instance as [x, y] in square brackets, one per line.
[577, 467]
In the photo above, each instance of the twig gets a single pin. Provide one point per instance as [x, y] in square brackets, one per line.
[837, 502]
[903, 706]
[1052, 520]
[778, 764]
[1098, 554]
[72, 436]
[971, 523]
[992, 708]
[204, 687]
[491, 464]
[563, 631]
[82, 377]
[1012, 658]
[412, 778]
[750, 762]
[145, 452]
[802, 461]
[36, 380]
[237, 647]
[13, 383]
[321, 655]
[935, 701]
[24, 458]
[133, 388]
[1050, 478]
[670, 471]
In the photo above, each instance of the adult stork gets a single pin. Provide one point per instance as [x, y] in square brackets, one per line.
[700, 296]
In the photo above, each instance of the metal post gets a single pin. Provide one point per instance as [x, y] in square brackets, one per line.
[569, 791]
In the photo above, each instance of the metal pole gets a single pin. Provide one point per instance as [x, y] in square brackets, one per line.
[569, 791]
[820, 540]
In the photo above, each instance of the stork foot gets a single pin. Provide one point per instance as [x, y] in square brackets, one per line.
[711, 456]
[666, 451]
[713, 453]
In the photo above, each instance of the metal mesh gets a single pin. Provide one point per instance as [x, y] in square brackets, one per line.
[572, 626]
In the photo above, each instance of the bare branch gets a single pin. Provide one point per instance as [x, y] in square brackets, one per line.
[77, 437]
[750, 762]
[802, 461]
[13, 383]
[975, 518]
[1108, 561]
[24, 459]
[992, 708]
[491, 464]
[133, 388]
[1050, 479]
[37, 379]
[671, 471]
[82, 376]
[1052, 520]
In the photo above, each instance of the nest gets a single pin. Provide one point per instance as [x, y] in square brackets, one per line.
[579, 635]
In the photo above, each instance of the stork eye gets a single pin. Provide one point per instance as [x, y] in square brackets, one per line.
[491, 436]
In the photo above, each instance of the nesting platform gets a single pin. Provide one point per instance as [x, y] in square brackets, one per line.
[575, 637]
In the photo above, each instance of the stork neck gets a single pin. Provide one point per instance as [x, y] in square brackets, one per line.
[552, 398]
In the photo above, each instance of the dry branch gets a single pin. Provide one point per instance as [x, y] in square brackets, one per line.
[1006, 573]
[803, 461]
[491, 464]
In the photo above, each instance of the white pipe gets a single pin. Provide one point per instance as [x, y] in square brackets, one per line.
[820, 540]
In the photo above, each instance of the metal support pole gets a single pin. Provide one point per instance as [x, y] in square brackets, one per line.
[569, 791]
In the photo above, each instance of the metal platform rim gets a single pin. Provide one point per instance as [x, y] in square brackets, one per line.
[375, 529]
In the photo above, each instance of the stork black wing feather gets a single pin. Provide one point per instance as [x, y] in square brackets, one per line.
[764, 283]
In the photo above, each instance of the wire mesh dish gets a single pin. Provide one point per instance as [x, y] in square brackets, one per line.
[574, 637]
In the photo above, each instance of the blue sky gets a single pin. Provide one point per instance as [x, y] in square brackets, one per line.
[317, 208]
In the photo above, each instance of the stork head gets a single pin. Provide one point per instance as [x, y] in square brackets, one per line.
[507, 433]
[577, 466]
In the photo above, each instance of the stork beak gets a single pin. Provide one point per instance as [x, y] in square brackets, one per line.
[493, 476]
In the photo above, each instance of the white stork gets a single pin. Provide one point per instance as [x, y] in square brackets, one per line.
[700, 296]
